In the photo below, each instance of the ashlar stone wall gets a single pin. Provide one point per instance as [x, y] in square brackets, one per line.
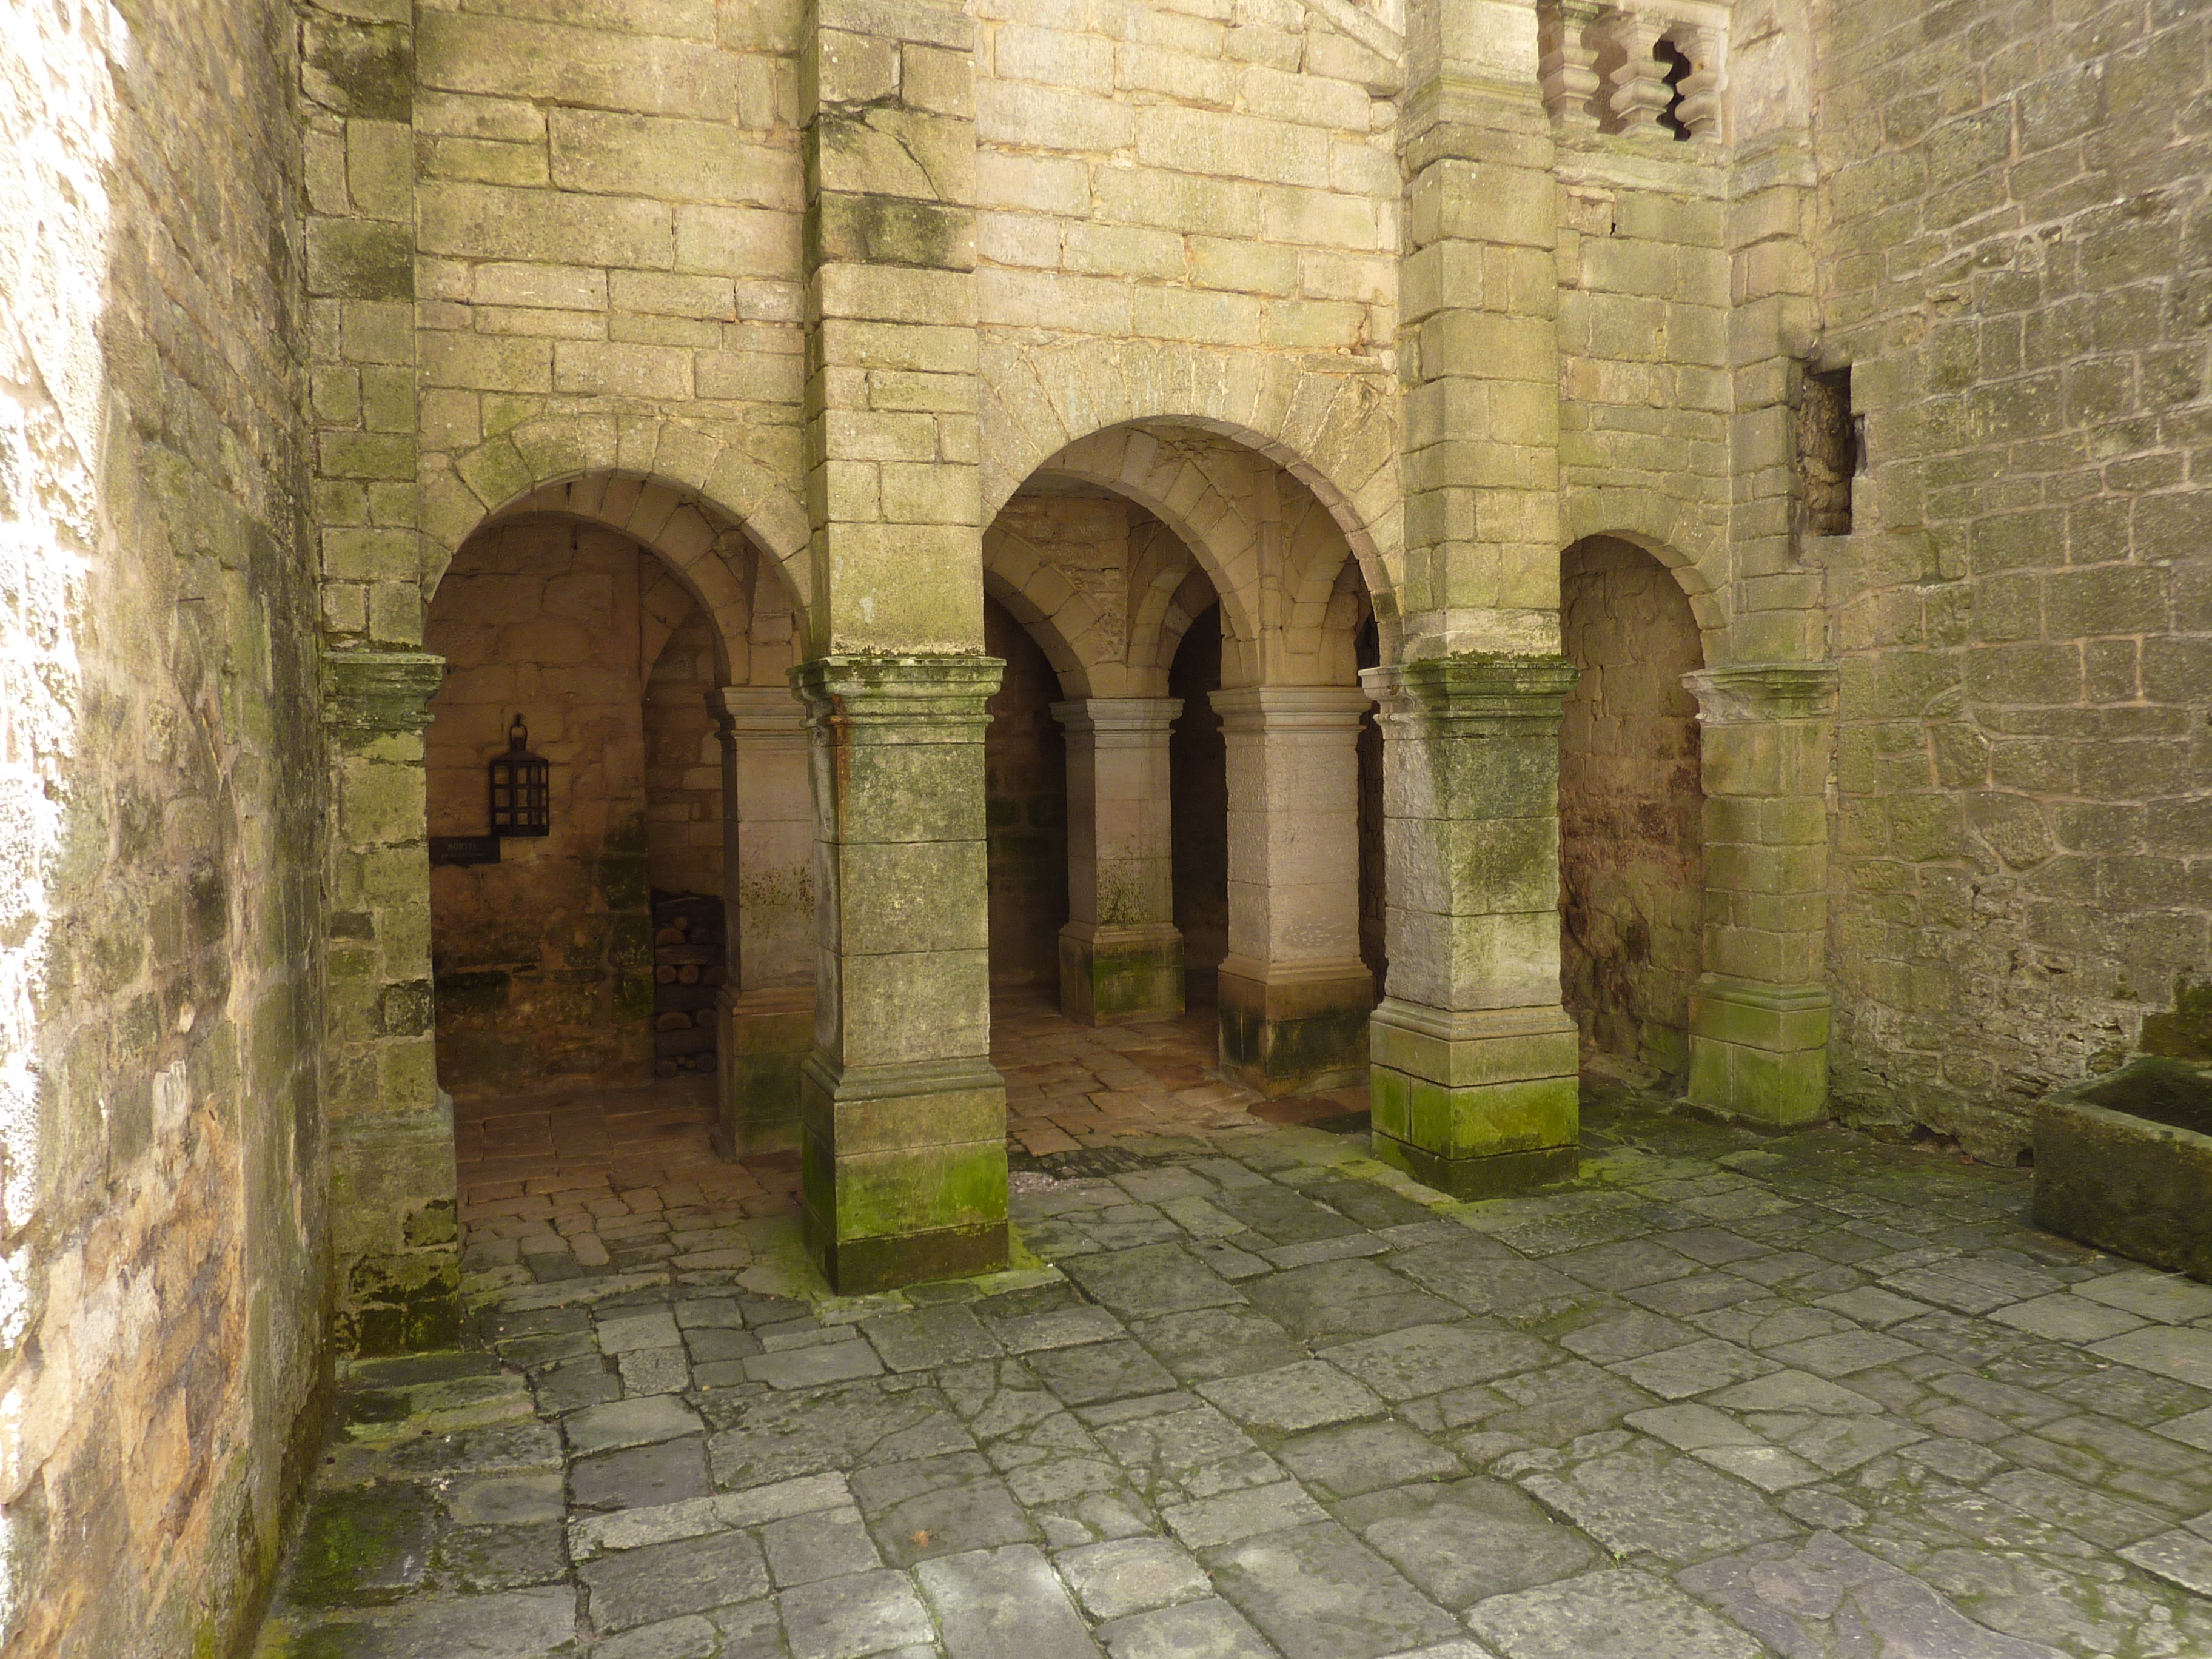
[2014, 243]
[163, 1223]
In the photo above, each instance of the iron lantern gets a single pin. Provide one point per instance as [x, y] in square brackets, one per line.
[521, 788]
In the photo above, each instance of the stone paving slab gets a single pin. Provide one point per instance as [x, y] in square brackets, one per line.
[1724, 1396]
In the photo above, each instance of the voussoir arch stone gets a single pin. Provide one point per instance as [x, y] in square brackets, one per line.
[1689, 547]
[1334, 428]
[660, 480]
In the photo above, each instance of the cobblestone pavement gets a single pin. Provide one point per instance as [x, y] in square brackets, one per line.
[1252, 1394]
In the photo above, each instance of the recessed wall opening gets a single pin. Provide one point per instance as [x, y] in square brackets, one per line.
[1197, 762]
[1632, 866]
[1678, 71]
[1025, 808]
[1829, 452]
[1374, 903]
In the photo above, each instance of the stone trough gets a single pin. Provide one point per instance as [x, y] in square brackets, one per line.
[2124, 1163]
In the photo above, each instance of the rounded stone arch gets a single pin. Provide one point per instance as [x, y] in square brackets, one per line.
[1688, 547]
[1334, 430]
[1179, 490]
[1040, 599]
[693, 488]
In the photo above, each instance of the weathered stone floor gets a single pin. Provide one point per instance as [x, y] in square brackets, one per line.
[1727, 1395]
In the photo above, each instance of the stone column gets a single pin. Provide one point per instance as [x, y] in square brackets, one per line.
[902, 1119]
[767, 1003]
[1475, 1061]
[1295, 995]
[1759, 1014]
[1120, 957]
[395, 1244]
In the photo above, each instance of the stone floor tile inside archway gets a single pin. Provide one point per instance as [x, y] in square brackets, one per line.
[1251, 1393]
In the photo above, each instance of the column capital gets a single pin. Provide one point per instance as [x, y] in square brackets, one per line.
[1746, 693]
[1453, 695]
[1119, 722]
[380, 692]
[886, 692]
[1289, 707]
[752, 714]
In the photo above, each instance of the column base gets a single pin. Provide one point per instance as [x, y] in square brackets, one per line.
[1289, 1028]
[1498, 1176]
[766, 1035]
[1476, 1103]
[903, 1171]
[1109, 975]
[1759, 1051]
[395, 1252]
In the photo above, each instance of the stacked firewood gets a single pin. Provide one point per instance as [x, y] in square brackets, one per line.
[690, 959]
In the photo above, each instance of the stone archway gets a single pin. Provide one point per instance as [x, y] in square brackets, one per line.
[392, 1172]
[1632, 862]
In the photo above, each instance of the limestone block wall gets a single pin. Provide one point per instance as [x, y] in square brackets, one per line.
[1631, 856]
[163, 1228]
[1170, 171]
[684, 764]
[1644, 344]
[2015, 222]
[543, 961]
[609, 201]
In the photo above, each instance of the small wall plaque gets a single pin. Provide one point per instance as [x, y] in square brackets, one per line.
[465, 849]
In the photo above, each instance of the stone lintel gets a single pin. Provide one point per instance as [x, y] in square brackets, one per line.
[1745, 693]
[368, 693]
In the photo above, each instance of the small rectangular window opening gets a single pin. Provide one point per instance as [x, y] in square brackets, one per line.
[1828, 452]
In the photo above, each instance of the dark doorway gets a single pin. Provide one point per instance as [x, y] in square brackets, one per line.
[1197, 766]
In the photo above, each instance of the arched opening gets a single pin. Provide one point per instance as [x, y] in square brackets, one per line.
[1632, 864]
[1205, 616]
[542, 946]
[629, 993]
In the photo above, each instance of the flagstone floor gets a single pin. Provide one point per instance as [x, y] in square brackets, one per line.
[1252, 1394]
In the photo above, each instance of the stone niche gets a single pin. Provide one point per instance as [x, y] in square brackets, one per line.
[543, 961]
[1632, 859]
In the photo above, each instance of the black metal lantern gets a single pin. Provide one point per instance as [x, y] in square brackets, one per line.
[521, 788]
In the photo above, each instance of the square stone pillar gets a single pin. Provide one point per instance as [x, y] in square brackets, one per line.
[1475, 1063]
[396, 1262]
[1295, 995]
[766, 1007]
[904, 1121]
[1121, 957]
[1759, 1014]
